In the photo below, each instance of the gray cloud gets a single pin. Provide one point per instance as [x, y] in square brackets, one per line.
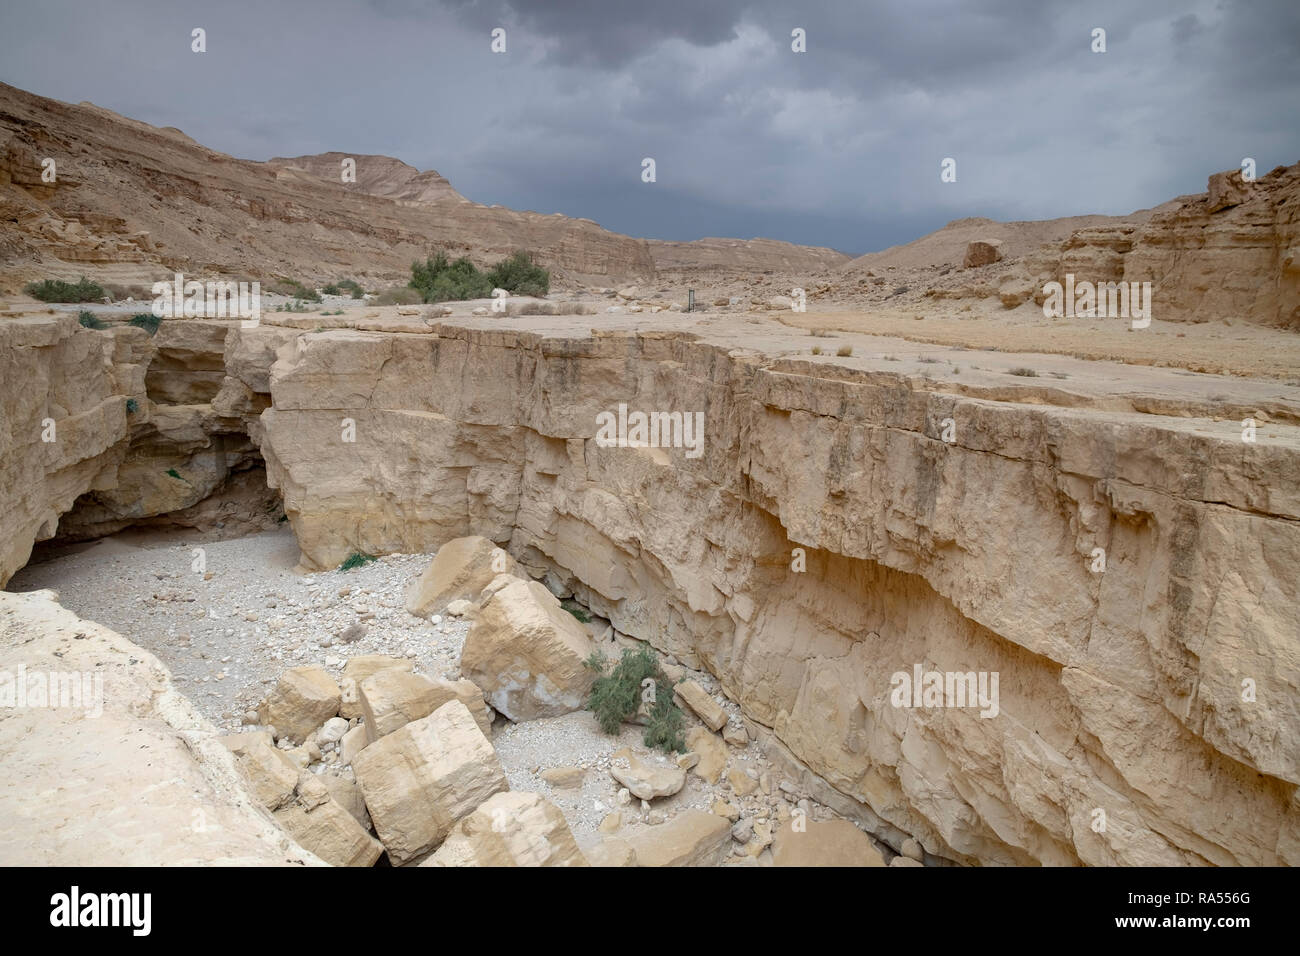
[838, 146]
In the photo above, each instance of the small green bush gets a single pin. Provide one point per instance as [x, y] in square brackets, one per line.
[1024, 372]
[356, 560]
[616, 696]
[132, 406]
[520, 275]
[437, 280]
[173, 473]
[352, 287]
[56, 290]
[89, 320]
[844, 350]
[331, 289]
[147, 321]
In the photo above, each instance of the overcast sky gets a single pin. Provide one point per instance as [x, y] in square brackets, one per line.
[839, 146]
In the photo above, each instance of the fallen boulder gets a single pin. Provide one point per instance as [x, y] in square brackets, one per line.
[526, 652]
[391, 699]
[322, 825]
[510, 829]
[302, 700]
[644, 780]
[829, 843]
[692, 838]
[420, 780]
[701, 704]
[459, 571]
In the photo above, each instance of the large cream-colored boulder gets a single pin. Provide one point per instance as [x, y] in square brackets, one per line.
[459, 571]
[424, 777]
[711, 751]
[272, 775]
[392, 698]
[325, 827]
[828, 843]
[692, 838]
[510, 829]
[358, 669]
[646, 779]
[302, 700]
[526, 652]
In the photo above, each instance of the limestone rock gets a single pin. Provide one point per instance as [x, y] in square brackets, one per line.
[741, 782]
[564, 778]
[612, 853]
[982, 252]
[910, 848]
[302, 700]
[1227, 189]
[331, 832]
[692, 838]
[510, 829]
[354, 741]
[424, 777]
[829, 843]
[904, 861]
[272, 776]
[393, 698]
[358, 669]
[701, 704]
[459, 571]
[645, 780]
[526, 652]
[735, 736]
[712, 754]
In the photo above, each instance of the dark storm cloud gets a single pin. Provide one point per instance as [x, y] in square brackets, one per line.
[837, 146]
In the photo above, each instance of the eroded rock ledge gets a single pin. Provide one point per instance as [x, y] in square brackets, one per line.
[1120, 691]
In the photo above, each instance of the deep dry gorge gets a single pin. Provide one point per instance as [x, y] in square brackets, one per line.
[849, 518]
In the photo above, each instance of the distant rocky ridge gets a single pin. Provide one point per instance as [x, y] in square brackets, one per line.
[132, 201]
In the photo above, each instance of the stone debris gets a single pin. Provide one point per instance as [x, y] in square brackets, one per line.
[421, 779]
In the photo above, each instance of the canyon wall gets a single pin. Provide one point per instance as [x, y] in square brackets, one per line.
[1121, 692]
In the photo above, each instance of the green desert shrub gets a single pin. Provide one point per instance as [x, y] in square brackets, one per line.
[56, 290]
[132, 406]
[356, 560]
[616, 696]
[90, 321]
[519, 275]
[1024, 372]
[351, 287]
[439, 279]
[147, 321]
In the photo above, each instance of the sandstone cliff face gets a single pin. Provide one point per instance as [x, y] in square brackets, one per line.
[1121, 691]
[1232, 252]
[63, 421]
[112, 428]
